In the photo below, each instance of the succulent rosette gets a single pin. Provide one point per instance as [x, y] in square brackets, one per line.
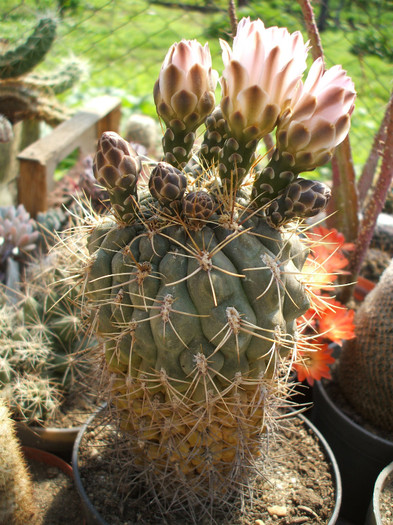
[260, 76]
[318, 117]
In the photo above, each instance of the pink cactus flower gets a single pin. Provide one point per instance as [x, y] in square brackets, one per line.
[318, 118]
[260, 76]
[186, 84]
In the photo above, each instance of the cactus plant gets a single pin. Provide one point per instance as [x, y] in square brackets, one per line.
[16, 491]
[194, 284]
[18, 240]
[25, 95]
[365, 370]
[43, 344]
[22, 59]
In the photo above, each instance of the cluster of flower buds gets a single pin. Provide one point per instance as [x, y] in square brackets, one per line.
[262, 91]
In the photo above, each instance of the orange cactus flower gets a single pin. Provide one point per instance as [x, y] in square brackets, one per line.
[313, 365]
[336, 321]
[327, 248]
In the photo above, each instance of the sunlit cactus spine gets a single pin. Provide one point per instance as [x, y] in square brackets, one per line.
[17, 504]
[194, 288]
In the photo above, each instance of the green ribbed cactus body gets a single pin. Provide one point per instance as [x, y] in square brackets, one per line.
[195, 322]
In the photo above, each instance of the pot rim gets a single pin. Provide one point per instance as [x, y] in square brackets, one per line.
[378, 487]
[49, 459]
[340, 414]
[53, 430]
[100, 520]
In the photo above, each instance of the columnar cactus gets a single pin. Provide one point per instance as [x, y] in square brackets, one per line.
[25, 95]
[194, 287]
[17, 504]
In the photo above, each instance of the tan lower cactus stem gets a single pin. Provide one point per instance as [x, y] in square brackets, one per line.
[366, 362]
[17, 506]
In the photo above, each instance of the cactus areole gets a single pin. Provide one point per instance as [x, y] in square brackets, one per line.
[195, 281]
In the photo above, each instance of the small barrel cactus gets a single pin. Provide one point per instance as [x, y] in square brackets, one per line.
[195, 283]
[365, 370]
[42, 342]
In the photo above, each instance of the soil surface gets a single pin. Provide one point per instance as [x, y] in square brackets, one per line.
[74, 411]
[56, 498]
[297, 485]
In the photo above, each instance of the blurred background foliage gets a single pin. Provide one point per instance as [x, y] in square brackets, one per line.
[124, 44]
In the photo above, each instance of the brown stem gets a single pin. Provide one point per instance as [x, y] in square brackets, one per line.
[343, 208]
[344, 197]
[375, 204]
[312, 29]
[232, 17]
[369, 168]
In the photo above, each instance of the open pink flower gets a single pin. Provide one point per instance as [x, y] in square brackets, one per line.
[186, 84]
[318, 118]
[260, 76]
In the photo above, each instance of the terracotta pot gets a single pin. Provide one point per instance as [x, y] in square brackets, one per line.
[59, 441]
[362, 288]
[360, 454]
[49, 459]
[374, 514]
[94, 518]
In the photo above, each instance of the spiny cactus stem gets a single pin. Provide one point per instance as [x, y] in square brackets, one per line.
[236, 158]
[214, 139]
[24, 58]
[177, 144]
[274, 178]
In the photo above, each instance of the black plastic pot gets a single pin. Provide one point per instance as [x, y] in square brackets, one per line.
[360, 454]
[374, 515]
[94, 518]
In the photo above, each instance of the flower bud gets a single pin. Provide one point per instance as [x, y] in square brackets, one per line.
[117, 168]
[167, 184]
[199, 205]
[185, 88]
[318, 117]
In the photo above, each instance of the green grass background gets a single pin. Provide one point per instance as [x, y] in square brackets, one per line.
[124, 43]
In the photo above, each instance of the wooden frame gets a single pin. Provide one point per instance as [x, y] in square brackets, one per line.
[38, 161]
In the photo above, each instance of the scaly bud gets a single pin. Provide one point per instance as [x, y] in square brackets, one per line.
[184, 96]
[168, 185]
[199, 205]
[117, 167]
[301, 199]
